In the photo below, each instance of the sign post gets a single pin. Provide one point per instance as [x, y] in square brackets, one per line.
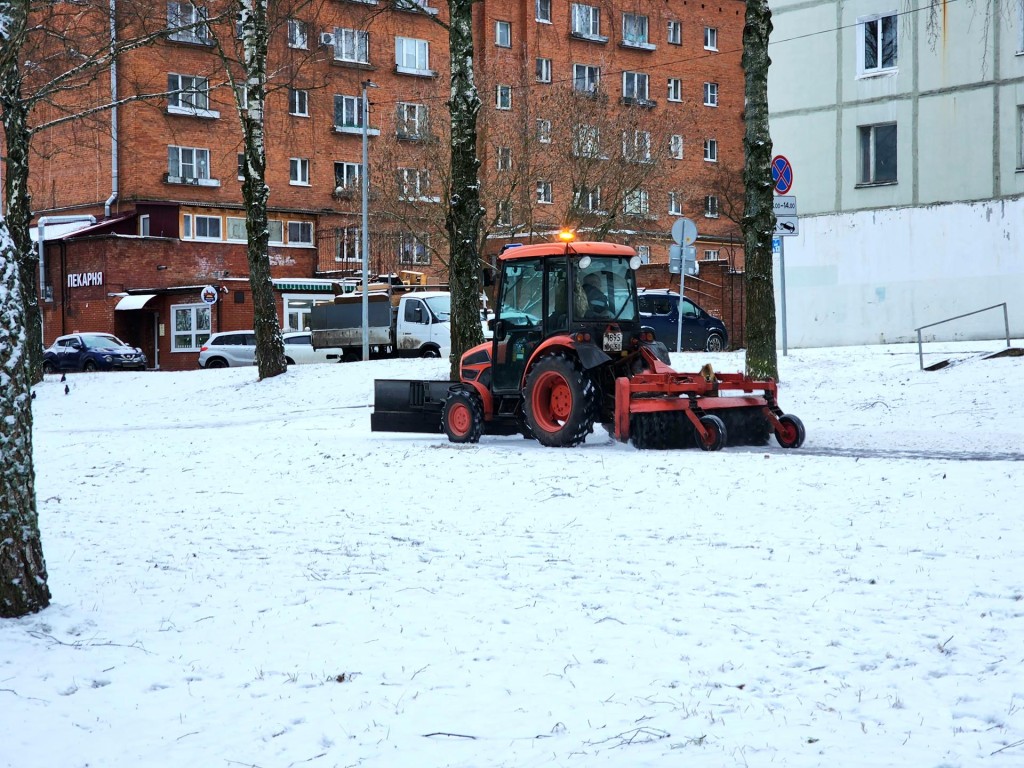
[684, 233]
[786, 225]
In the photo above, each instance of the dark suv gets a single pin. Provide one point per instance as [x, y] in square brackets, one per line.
[659, 309]
[92, 352]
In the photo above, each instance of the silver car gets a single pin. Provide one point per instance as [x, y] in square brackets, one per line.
[235, 348]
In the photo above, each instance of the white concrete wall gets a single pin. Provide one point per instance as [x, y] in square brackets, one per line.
[872, 277]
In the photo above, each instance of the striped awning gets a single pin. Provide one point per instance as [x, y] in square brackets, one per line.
[305, 286]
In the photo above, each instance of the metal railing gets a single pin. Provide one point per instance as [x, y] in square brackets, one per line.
[1006, 324]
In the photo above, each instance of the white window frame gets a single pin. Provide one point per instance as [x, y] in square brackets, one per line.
[710, 94]
[636, 146]
[675, 32]
[275, 229]
[711, 255]
[298, 37]
[351, 106]
[413, 250]
[636, 202]
[710, 38]
[544, 194]
[410, 120]
[636, 86]
[241, 166]
[711, 206]
[675, 89]
[232, 223]
[636, 31]
[300, 240]
[543, 70]
[194, 159]
[503, 214]
[298, 102]
[198, 318]
[543, 131]
[348, 244]
[503, 158]
[503, 34]
[867, 156]
[414, 185]
[180, 14]
[675, 204]
[193, 222]
[874, 25]
[298, 171]
[144, 225]
[586, 78]
[542, 11]
[503, 97]
[189, 95]
[412, 57]
[349, 177]
[710, 150]
[644, 252]
[588, 200]
[585, 21]
[586, 141]
[676, 146]
[351, 45]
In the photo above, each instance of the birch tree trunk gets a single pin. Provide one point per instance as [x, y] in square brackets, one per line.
[270, 359]
[23, 587]
[758, 216]
[464, 211]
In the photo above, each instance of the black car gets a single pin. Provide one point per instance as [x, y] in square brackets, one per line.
[92, 352]
[702, 332]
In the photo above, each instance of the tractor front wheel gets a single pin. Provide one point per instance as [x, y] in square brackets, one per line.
[560, 402]
[463, 417]
[791, 432]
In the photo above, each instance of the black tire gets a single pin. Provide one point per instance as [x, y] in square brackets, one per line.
[48, 367]
[431, 352]
[559, 402]
[717, 434]
[462, 417]
[792, 434]
[89, 366]
[289, 361]
[715, 343]
[216, 362]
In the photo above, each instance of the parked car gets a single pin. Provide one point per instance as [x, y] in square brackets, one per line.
[238, 348]
[659, 309]
[92, 352]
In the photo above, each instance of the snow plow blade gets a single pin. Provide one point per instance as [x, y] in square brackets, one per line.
[402, 405]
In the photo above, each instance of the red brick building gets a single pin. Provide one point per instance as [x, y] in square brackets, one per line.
[612, 118]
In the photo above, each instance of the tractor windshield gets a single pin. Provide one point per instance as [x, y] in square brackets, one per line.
[604, 289]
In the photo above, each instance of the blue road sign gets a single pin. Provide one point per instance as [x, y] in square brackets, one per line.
[782, 174]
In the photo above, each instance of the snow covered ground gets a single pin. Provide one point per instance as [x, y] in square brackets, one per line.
[244, 575]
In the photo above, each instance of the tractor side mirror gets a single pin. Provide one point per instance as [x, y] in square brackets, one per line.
[500, 329]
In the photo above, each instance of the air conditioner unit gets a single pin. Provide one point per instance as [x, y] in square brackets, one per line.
[327, 38]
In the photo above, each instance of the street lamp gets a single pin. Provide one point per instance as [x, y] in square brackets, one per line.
[364, 172]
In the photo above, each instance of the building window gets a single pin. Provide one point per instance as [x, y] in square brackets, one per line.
[200, 227]
[411, 120]
[276, 229]
[298, 173]
[711, 207]
[542, 10]
[878, 43]
[412, 250]
[188, 165]
[352, 45]
[544, 131]
[297, 34]
[298, 102]
[189, 23]
[346, 177]
[675, 146]
[414, 184]
[675, 89]
[412, 56]
[644, 252]
[1020, 132]
[241, 166]
[585, 78]
[544, 192]
[586, 141]
[710, 39]
[236, 230]
[635, 203]
[587, 199]
[634, 31]
[636, 146]
[191, 326]
[710, 94]
[189, 95]
[635, 87]
[710, 150]
[503, 34]
[300, 233]
[348, 244]
[348, 115]
[675, 33]
[543, 70]
[675, 204]
[144, 225]
[586, 22]
[711, 255]
[877, 153]
[503, 97]
[503, 215]
[504, 158]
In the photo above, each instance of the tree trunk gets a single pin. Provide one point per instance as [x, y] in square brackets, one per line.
[270, 359]
[758, 215]
[23, 587]
[464, 211]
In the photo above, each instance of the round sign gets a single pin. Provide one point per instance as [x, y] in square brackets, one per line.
[684, 232]
[782, 174]
[208, 294]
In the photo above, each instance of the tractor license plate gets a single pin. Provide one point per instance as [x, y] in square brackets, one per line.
[613, 342]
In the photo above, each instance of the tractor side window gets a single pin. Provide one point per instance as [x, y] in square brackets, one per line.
[558, 300]
[521, 298]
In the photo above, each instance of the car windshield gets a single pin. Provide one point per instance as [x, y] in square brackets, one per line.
[101, 341]
[441, 306]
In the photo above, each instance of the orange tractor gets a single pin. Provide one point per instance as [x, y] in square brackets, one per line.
[570, 351]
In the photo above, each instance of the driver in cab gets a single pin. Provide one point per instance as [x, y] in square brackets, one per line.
[596, 300]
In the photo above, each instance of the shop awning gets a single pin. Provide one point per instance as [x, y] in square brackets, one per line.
[135, 302]
[305, 286]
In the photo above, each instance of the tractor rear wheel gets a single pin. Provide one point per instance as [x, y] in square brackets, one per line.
[791, 434]
[717, 434]
[560, 402]
[463, 417]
